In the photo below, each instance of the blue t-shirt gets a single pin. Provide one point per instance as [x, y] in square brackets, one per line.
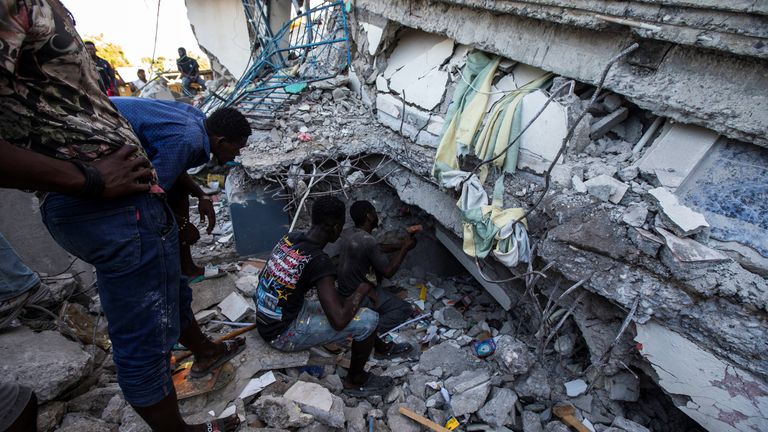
[172, 133]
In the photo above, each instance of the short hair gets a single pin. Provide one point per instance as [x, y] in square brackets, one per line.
[182, 49]
[328, 210]
[89, 43]
[141, 70]
[229, 123]
[359, 210]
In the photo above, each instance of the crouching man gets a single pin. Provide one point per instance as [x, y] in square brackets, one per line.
[290, 322]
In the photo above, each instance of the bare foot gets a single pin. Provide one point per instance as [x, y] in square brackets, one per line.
[227, 424]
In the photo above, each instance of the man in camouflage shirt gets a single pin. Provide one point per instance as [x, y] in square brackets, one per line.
[60, 134]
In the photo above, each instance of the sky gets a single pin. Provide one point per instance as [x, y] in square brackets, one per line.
[131, 24]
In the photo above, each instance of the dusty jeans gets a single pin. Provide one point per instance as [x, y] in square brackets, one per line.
[133, 243]
[15, 277]
[312, 328]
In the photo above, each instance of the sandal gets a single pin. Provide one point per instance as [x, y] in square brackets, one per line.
[213, 425]
[395, 350]
[374, 385]
[208, 275]
[231, 347]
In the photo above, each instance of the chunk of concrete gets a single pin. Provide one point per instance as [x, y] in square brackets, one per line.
[687, 250]
[575, 388]
[400, 423]
[374, 34]
[676, 153]
[531, 422]
[310, 394]
[381, 84]
[541, 142]
[682, 219]
[211, 292]
[466, 381]
[451, 318]
[235, 306]
[606, 188]
[514, 354]
[470, 400]
[628, 425]
[623, 387]
[75, 422]
[500, 409]
[46, 362]
[113, 412]
[280, 412]
[605, 124]
[50, 415]
[635, 215]
[389, 104]
[452, 359]
[578, 185]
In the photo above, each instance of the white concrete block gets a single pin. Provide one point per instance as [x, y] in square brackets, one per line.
[235, 306]
[688, 250]
[575, 387]
[374, 34]
[617, 188]
[714, 390]
[682, 219]
[381, 84]
[524, 74]
[256, 385]
[418, 52]
[310, 394]
[676, 152]
[389, 104]
[541, 142]
[426, 92]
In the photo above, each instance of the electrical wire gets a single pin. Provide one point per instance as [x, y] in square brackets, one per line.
[154, 45]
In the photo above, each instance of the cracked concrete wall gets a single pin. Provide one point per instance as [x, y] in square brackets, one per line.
[685, 83]
[221, 30]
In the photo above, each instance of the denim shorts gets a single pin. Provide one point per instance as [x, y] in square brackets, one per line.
[312, 328]
[133, 243]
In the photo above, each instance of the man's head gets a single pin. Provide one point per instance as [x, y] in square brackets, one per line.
[182, 52]
[90, 48]
[142, 74]
[228, 131]
[363, 213]
[328, 215]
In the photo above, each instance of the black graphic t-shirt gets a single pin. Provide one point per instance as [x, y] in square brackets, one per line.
[296, 264]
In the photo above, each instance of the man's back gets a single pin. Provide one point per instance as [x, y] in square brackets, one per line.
[359, 260]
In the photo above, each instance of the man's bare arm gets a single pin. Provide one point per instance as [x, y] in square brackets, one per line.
[397, 260]
[340, 311]
[25, 169]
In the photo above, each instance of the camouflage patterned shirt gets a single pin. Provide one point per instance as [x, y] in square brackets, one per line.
[50, 99]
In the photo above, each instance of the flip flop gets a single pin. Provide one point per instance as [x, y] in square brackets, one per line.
[374, 385]
[233, 348]
[395, 350]
[213, 425]
[11, 308]
[204, 277]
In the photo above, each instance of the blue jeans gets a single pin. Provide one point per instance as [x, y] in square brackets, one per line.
[133, 243]
[15, 277]
[186, 81]
[312, 328]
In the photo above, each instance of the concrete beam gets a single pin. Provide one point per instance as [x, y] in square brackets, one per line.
[712, 89]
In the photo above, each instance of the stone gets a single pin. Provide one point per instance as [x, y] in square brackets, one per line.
[94, 401]
[280, 412]
[564, 344]
[314, 427]
[605, 124]
[76, 422]
[514, 354]
[606, 188]
[310, 394]
[397, 371]
[468, 391]
[467, 380]
[628, 425]
[635, 215]
[49, 415]
[235, 307]
[210, 292]
[356, 417]
[500, 409]
[535, 386]
[113, 412]
[680, 218]
[204, 316]
[623, 387]
[648, 242]
[677, 152]
[612, 102]
[691, 251]
[531, 422]
[575, 387]
[556, 426]
[333, 383]
[131, 422]
[451, 317]
[400, 423]
[451, 358]
[629, 173]
[47, 354]
[578, 185]
[248, 284]
[340, 93]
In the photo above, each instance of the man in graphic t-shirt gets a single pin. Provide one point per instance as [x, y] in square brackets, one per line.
[290, 322]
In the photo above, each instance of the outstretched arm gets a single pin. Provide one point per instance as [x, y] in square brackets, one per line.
[338, 310]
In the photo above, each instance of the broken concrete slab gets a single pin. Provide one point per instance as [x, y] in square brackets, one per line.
[605, 124]
[46, 354]
[712, 380]
[524, 74]
[575, 388]
[623, 386]
[374, 34]
[531, 422]
[451, 318]
[606, 188]
[468, 391]
[680, 218]
[541, 142]
[676, 152]
[635, 215]
[500, 409]
[310, 394]
[210, 292]
[452, 359]
[235, 307]
[280, 412]
[688, 250]
[389, 104]
[514, 354]
[400, 423]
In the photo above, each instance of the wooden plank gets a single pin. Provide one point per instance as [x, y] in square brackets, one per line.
[422, 420]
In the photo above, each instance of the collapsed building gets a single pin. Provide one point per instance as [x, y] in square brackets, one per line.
[593, 179]
[650, 196]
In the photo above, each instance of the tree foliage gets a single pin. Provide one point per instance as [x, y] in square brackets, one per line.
[111, 52]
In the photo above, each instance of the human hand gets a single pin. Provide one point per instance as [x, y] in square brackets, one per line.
[188, 233]
[123, 173]
[205, 207]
